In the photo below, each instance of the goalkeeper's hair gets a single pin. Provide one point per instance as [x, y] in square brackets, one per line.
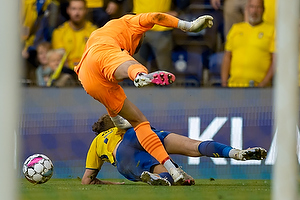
[103, 124]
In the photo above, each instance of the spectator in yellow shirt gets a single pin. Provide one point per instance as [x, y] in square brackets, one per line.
[270, 11]
[249, 51]
[73, 34]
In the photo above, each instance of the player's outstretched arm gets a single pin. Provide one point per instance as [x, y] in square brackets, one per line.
[89, 178]
[164, 19]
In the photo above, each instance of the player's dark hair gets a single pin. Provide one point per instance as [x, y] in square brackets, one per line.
[103, 124]
[84, 1]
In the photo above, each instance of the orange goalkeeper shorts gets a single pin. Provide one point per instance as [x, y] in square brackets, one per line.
[96, 74]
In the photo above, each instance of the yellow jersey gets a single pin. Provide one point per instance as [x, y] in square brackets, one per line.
[251, 48]
[270, 10]
[72, 41]
[102, 147]
[94, 3]
[145, 6]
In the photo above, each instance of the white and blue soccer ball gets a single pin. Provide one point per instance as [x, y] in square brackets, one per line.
[38, 169]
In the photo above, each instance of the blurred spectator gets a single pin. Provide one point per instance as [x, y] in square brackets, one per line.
[31, 16]
[43, 71]
[61, 76]
[51, 20]
[233, 11]
[158, 42]
[32, 13]
[270, 9]
[73, 34]
[248, 57]
[99, 13]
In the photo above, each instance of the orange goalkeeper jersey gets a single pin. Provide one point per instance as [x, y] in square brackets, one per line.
[127, 31]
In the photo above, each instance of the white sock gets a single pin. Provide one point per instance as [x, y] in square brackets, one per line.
[120, 122]
[184, 25]
[233, 152]
[168, 165]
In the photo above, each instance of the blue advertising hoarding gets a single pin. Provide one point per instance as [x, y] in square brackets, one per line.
[57, 123]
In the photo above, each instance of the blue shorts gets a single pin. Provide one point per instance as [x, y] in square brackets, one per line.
[132, 159]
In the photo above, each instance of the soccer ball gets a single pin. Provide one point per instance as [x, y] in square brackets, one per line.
[38, 169]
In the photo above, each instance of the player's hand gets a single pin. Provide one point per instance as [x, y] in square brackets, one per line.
[112, 8]
[25, 53]
[224, 84]
[216, 4]
[262, 84]
[201, 23]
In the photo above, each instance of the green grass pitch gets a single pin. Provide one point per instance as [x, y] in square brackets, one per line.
[71, 189]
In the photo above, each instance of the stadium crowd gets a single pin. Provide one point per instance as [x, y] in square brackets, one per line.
[54, 33]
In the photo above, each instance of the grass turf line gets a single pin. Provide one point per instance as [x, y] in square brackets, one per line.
[71, 189]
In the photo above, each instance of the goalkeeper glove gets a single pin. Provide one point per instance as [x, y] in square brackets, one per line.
[197, 25]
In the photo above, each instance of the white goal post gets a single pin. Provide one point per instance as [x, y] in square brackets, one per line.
[286, 101]
[10, 55]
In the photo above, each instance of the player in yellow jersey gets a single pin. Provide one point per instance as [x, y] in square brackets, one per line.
[73, 34]
[248, 58]
[121, 148]
[108, 60]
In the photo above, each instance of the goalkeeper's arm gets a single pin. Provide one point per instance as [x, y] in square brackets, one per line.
[164, 19]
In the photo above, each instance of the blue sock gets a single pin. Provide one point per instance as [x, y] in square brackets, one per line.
[167, 176]
[214, 149]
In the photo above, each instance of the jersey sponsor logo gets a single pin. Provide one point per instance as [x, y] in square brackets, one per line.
[260, 35]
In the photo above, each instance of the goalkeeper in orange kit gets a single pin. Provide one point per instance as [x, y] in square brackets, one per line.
[107, 60]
